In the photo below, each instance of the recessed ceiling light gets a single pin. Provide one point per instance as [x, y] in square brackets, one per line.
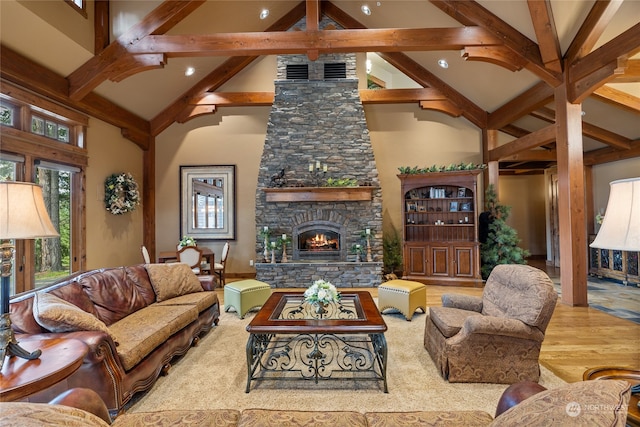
[189, 71]
[443, 63]
[264, 13]
[365, 9]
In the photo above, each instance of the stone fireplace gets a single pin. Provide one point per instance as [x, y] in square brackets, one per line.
[317, 130]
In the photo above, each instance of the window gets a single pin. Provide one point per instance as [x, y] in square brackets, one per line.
[79, 5]
[42, 142]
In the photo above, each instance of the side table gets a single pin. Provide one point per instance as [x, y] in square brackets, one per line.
[21, 378]
[617, 373]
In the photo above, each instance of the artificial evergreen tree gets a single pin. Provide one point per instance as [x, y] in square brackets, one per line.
[501, 245]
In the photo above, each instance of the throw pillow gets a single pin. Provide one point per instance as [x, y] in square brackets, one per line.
[58, 315]
[172, 280]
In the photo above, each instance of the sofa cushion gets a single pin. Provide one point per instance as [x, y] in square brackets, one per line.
[285, 418]
[143, 331]
[58, 315]
[575, 404]
[428, 418]
[172, 280]
[24, 414]
[191, 418]
[117, 292]
[448, 320]
[202, 300]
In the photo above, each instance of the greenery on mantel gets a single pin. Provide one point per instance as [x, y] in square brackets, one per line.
[342, 182]
[408, 170]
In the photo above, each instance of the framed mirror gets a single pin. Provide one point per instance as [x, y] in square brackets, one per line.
[208, 202]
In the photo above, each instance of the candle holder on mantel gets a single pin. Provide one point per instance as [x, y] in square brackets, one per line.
[369, 257]
[318, 174]
[273, 252]
[265, 233]
[283, 242]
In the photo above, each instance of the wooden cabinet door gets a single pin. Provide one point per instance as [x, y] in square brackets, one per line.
[439, 261]
[464, 265]
[415, 260]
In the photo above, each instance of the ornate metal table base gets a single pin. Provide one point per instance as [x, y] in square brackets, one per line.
[317, 357]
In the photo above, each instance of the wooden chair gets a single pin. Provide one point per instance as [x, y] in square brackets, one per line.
[192, 256]
[145, 254]
[219, 267]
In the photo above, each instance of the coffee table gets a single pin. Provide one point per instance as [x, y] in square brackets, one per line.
[289, 340]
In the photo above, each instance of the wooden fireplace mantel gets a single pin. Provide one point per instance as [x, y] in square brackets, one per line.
[318, 194]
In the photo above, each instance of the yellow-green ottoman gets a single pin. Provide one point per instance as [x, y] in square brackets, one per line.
[404, 295]
[245, 295]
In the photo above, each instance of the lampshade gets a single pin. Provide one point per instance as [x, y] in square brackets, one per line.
[620, 229]
[22, 212]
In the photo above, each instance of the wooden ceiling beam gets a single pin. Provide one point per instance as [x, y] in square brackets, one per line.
[528, 142]
[30, 75]
[592, 131]
[631, 73]
[591, 29]
[299, 42]
[618, 98]
[95, 71]
[217, 77]
[515, 131]
[521, 105]
[413, 70]
[545, 28]
[236, 99]
[610, 154]
[532, 156]
[392, 96]
[472, 13]
[602, 64]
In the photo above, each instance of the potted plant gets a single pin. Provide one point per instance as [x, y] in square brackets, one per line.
[392, 253]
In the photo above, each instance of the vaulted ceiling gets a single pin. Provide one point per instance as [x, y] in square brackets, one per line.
[505, 59]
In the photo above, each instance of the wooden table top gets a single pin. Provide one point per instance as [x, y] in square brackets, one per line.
[365, 320]
[632, 376]
[21, 377]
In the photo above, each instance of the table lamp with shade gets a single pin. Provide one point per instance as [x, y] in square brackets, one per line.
[23, 215]
[620, 229]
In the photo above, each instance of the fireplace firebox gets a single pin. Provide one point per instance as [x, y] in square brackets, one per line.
[318, 241]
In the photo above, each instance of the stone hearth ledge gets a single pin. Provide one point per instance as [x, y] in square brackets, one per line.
[302, 274]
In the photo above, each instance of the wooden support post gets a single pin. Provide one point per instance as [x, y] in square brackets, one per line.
[492, 173]
[571, 200]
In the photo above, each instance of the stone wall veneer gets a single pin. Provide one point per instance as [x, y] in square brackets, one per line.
[319, 121]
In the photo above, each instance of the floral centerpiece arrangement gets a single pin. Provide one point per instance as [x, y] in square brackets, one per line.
[187, 241]
[121, 193]
[321, 292]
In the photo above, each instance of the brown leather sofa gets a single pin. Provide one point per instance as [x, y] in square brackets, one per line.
[134, 321]
[589, 403]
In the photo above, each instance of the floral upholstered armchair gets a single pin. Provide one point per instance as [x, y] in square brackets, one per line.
[495, 338]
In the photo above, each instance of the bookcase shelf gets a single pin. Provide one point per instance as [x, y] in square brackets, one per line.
[440, 231]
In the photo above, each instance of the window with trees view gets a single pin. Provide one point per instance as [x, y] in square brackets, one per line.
[43, 142]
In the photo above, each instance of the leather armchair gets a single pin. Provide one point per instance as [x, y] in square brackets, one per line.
[495, 338]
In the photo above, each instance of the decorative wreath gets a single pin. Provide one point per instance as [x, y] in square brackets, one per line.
[121, 193]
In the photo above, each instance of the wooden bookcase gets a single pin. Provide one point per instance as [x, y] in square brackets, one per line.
[440, 228]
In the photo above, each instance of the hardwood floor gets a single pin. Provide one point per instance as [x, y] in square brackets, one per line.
[578, 338]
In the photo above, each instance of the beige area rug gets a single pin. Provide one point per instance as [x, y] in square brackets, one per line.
[213, 375]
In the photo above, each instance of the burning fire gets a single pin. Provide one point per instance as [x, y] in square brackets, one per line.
[320, 241]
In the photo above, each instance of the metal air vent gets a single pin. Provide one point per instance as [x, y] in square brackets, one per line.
[297, 72]
[336, 70]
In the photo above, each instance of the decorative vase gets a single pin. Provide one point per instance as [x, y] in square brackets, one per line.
[320, 308]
